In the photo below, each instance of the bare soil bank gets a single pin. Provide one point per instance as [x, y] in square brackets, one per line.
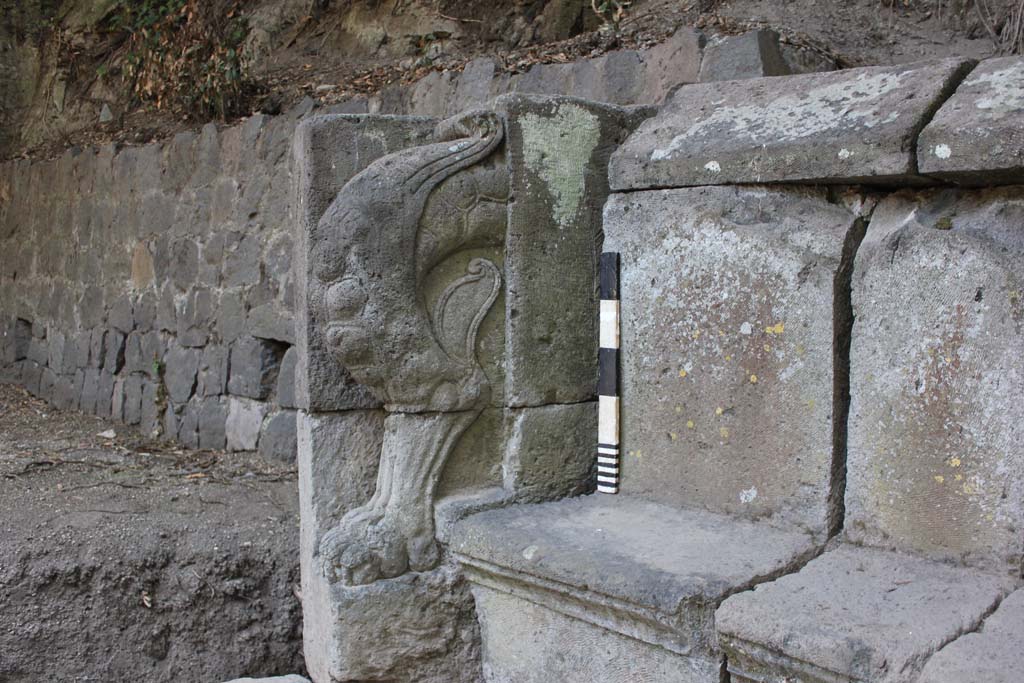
[122, 560]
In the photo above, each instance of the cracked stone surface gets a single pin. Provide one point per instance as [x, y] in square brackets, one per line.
[854, 614]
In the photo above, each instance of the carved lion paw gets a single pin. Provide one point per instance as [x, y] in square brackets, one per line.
[370, 545]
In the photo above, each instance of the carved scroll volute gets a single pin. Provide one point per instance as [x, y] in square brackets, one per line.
[371, 268]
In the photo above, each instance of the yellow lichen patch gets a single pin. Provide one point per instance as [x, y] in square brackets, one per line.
[696, 334]
[767, 348]
[728, 357]
[719, 410]
[810, 403]
[679, 409]
[682, 373]
[753, 379]
[954, 461]
[800, 350]
[723, 432]
[777, 328]
[689, 424]
[673, 436]
[939, 478]
[958, 477]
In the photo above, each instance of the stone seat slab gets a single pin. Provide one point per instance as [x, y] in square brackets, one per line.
[977, 136]
[994, 654]
[853, 614]
[854, 125]
[670, 562]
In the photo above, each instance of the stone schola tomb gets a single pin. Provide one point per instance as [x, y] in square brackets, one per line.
[820, 380]
[822, 478]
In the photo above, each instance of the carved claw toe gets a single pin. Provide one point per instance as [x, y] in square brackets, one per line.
[369, 546]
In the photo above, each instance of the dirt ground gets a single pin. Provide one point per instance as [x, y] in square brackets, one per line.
[127, 560]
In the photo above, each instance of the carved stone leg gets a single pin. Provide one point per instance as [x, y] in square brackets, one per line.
[394, 532]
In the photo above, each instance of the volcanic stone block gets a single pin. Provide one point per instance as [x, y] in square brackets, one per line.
[525, 642]
[651, 598]
[90, 390]
[104, 394]
[732, 311]
[936, 456]
[853, 614]
[277, 442]
[674, 62]
[242, 428]
[20, 340]
[182, 367]
[855, 125]
[286, 379]
[344, 640]
[195, 317]
[329, 151]
[269, 321]
[993, 654]
[253, 367]
[976, 137]
[185, 428]
[150, 412]
[752, 55]
[133, 399]
[550, 451]
[213, 371]
[555, 147]
[114, 356]
[213, 416]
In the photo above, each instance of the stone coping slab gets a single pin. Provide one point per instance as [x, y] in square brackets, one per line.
[853, 614]
[673, 561]
[994, 654]
[856, 125]
[977, 136]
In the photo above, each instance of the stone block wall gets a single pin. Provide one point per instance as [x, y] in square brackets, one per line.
[154, 284]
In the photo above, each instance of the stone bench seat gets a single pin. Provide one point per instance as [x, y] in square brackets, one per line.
[854, 614]
[992, 655]
[647, 575]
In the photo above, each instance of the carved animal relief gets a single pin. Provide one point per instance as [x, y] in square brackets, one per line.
[384, 234]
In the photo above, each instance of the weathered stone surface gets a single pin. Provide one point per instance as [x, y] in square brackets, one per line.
[853, 614]
[976, 136]
[268, 321]
[672, 63]
[293, 678]
[553, 147]
[213, 415]
[329, 151]
[636, 594]
[277, 442]
[182, 367]
[549, 452]
[856, 125]
[244, 422]
[213, 371]
[754, 54]
[993, 654]
[525, 642]
[286, 379]
[623, 538]
[732, 309]
[936, 439]
[253, 367]
[436, 640]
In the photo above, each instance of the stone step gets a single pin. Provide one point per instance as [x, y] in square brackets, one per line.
[617, 580]
[994, 654]
[854, 614]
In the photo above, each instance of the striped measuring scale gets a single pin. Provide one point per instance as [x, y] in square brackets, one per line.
[608, 378]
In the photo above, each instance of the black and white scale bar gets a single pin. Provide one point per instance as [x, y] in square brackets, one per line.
[608, 378]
